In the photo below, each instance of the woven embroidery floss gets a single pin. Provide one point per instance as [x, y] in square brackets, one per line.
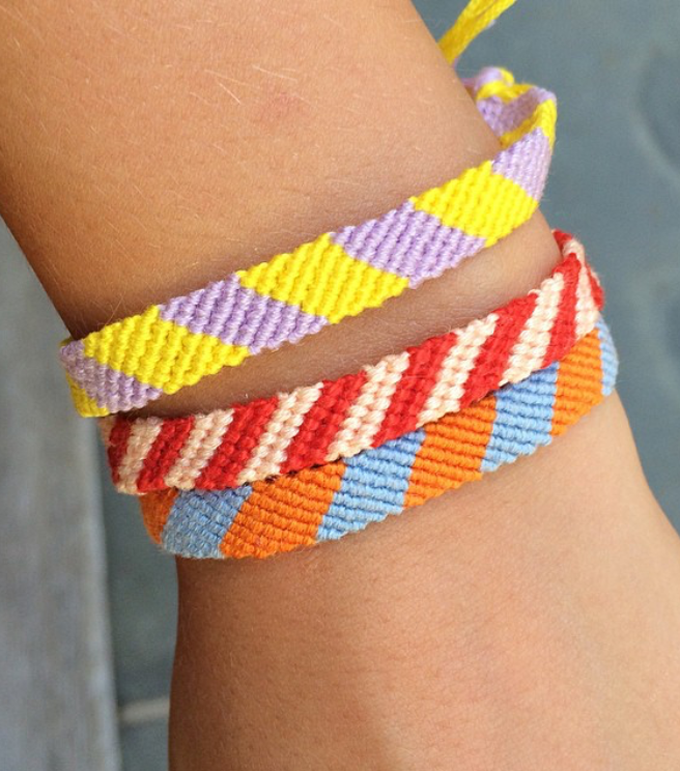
[331, 419]
[332, 500]
[174, 344]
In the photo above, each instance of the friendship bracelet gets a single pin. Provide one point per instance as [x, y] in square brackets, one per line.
[327, 502]
[331, 419]
[175, 344]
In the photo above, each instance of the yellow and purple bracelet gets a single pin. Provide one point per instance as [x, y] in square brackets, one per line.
[169, 346]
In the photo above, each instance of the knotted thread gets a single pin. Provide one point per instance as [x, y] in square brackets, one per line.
[332, 500]
[332, 419]
[175, 344]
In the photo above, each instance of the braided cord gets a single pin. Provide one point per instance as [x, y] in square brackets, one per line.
[169, 346]
[331, 419]
[332, 500]
[475, 18]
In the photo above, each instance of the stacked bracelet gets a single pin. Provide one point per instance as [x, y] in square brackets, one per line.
[324, 460]
[332, 419]
[327, 502]
[169, 346]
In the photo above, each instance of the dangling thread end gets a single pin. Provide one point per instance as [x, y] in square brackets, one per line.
[477, 16]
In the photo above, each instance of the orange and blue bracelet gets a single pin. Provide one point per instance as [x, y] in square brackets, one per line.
[329, 501]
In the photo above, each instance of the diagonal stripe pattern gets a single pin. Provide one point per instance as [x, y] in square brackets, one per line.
[332, 419]
[332, 500]
[175, 344]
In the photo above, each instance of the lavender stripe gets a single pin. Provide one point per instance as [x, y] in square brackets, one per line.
[502, 117]
[526, 162]
[71, 355]
[409, 243]
[108, 387]
[482, 78]
[240, 316]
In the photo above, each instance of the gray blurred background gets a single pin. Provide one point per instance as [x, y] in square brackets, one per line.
[86, 658]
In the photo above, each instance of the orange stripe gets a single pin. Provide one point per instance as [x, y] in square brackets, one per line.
[155, 511]
[452, 452]
[283, 513]
[579, 383]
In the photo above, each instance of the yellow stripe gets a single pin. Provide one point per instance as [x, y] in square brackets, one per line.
[450, 204]
[155, 342]
[505, 92]
[311, 276]
[201, 355]
[86, 406]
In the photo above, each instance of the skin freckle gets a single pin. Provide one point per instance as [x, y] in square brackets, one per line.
[280, 106]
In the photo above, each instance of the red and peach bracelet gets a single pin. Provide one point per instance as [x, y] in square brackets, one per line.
[332, 419]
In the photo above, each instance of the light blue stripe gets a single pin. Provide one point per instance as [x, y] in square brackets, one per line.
[524, 413]
[199, 520]
[355, 504]
[610, 359]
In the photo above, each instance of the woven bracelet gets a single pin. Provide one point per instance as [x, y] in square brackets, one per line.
[327, 502]
[332, 419]
[175, 344]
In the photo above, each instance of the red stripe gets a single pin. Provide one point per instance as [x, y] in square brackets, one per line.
[243, 434]
[596, 288]
[117, 447]
[321, 424]
[563, 333]
[562, 238]
[413, 388]
[494, 354]
[163, 453]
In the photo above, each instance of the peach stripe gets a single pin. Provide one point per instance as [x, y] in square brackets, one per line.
[283, 426]
[529, 350]
[201, 444]
[456, 368]
[141, 440]
[366, 414]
